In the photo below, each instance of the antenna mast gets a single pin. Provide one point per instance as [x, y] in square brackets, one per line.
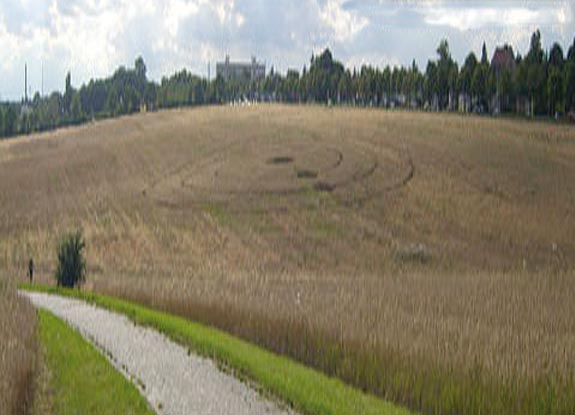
[25, 83]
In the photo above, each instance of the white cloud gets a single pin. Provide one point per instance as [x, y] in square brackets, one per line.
[176, 12]
[224, 10]
[344, 23]
[93, 37]
[471, 18]
[240, 19]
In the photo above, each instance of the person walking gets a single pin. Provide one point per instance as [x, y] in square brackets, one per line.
[31, 270]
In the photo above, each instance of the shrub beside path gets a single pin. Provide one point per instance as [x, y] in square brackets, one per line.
[173, 380]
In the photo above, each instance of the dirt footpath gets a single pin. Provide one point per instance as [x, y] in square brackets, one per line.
[173, 381]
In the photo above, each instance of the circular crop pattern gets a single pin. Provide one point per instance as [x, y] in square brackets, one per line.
[258, 167]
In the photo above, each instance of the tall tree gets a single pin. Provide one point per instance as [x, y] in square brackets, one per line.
[443, 73]
[479, 86]
[430, 84]
[141, 81]
[569, 85]
[556, 58]
[415, 86]
[555, 77]
[112, 101]
[446, 74]
[76, 111]
[323, 77]
[555, 90]
[68, 92]
[466, 77]
[345, 87]
[535, 73]
[520, 82]
[10, 120]
[2, 132]
[506, 90]
[140, 68]
[452, 82]
[571, 52]
[484, 58]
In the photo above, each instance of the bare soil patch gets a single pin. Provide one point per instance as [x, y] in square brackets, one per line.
[280, 160]
[306, 174]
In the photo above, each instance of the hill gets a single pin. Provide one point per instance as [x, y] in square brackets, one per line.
[404, 252]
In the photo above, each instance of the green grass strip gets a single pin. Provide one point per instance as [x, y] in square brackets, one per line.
[83, 381]
[306, 390]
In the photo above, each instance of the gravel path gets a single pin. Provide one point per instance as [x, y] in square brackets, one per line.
[175, 382]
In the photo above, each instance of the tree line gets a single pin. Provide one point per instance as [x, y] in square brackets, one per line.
[541, 83]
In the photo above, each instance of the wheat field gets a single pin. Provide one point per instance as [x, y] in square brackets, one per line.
[426, 258]
[18, 351]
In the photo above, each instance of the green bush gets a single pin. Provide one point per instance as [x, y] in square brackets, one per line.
[71, 264]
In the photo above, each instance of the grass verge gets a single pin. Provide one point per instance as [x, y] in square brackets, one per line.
[83, 381]
[306, 390]
[18, 346]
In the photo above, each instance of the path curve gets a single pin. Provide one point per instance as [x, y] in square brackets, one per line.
[174, 381]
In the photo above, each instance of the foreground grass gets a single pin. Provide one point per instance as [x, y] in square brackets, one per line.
[304, 389]
[17, 351]
[83, 381]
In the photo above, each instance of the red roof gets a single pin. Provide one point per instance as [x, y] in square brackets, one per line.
[503, 58]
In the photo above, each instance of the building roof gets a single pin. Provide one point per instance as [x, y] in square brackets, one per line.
[503, 58]
[241, 70]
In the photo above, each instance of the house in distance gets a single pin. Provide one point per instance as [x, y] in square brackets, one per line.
[503, 66]
[241, 71]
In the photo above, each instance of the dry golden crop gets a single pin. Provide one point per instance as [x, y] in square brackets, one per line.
[17, 351]
[427, 258]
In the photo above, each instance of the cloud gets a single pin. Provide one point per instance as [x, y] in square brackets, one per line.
[472, 18]
[178, 11]
[91, 38]
[344, 22]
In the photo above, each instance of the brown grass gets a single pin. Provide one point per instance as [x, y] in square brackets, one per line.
[17, 351]
[437, 271]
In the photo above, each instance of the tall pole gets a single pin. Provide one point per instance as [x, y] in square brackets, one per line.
[25, 83]
[42, 90]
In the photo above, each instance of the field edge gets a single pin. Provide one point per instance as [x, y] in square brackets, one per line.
[302, 388]
[77, 370]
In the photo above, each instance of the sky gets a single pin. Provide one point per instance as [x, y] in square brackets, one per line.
[91, 38]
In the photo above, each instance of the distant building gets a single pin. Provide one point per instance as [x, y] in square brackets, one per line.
[240, 71]
[503, 59]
